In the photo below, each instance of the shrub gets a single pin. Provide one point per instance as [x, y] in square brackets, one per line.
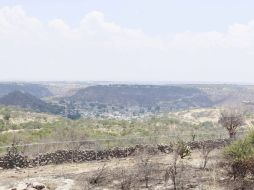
[240, 150]
[182, 149]
[240, 156]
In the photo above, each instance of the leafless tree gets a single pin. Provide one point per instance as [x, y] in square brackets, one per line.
[231, 120]
[193, 136]
[205, 152]
[91, 180]
[127, 179]
[145, 166]
[181, 151]
[171, 171]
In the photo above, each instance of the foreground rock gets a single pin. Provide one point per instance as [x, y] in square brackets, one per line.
[30, 186]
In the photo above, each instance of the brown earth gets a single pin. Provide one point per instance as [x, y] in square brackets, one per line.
[77, 176]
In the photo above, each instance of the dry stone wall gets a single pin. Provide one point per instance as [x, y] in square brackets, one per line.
[68, 156]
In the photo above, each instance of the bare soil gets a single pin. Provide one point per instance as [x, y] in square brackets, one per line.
[79, 176]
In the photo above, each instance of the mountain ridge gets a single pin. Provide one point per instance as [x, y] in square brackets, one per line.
[28, 101]
[143, 95]
[37, 90]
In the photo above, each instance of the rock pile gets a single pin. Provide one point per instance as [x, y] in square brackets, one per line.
[197, 145]
[18, 160]
[67, 156]
[209, 143]
[30, 186]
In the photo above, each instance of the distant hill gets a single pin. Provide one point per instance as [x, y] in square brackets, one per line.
[34, 89]
[227, 94]
[25, 100]
[169, 97]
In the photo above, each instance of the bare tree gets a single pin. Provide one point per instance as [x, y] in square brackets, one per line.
[92, 180]
[128, 179]
[231, 120]
[193, 136]
[171, 171]
[205, 152]
[145, 166]
[181, 150]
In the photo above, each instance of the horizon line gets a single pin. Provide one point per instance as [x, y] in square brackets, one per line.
[130, 82]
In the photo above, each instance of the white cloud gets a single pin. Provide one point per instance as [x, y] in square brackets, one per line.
[99, 49]
[59, 25]
[15, 23]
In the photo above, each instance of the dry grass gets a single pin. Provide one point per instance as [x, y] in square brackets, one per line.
[125, 173]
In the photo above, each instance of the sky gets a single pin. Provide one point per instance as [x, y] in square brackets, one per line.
[127, 40]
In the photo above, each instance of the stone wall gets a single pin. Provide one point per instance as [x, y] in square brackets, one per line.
[68, 156]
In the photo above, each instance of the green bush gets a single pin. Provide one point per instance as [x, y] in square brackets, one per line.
[240, 156]
[240, 150]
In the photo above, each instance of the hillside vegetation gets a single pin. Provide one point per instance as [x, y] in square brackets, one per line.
[33, 89]
[140, 95]
[163, 128]
[165, 97]
[28, 101]
[122, 100]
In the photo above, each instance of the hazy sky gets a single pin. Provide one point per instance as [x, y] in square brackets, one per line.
[127, 40]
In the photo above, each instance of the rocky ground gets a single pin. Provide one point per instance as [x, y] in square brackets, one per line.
[124, 173]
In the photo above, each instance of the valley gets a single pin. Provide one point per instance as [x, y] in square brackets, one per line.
[79, 133]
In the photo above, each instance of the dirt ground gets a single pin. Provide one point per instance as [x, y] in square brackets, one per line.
[75, 176]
